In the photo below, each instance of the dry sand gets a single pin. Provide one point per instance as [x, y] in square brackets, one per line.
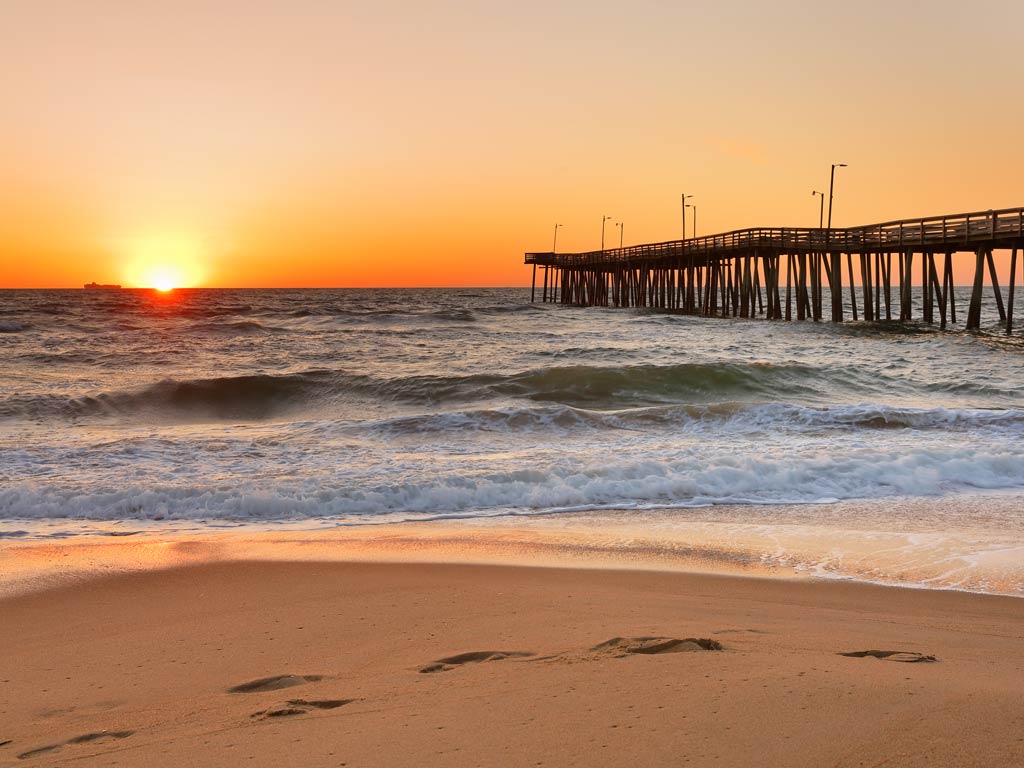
[361, 664]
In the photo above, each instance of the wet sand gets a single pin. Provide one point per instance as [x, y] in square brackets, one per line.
[262, 663]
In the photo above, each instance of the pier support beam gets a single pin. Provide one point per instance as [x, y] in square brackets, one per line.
[853, 285]
[887, 285]
[936, 290]
[949, 292]
[974, 310]
[926, 292]
[995, 285]
[1009, 296]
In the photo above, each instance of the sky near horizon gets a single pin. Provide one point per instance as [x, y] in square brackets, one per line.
[315, 143]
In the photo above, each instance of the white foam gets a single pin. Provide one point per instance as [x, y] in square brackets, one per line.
[153, 478]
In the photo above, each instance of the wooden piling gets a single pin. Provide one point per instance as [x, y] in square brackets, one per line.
[926, 290]
[1009, 295]
[974, 310]
[865, 282]
[789, 282]
[853, 284]
[949, 292]
[995, 285]
[887, 282]
[936, 290]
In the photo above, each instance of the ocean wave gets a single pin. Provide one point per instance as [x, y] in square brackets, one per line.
[719, 477]
[599, 388]
[733, 418]
[12, 326]
[374, 316]
[251, 397]
[240, 327]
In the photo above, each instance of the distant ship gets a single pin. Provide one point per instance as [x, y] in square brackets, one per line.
[101, 287]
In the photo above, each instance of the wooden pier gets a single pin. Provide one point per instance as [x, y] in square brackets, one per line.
[741, 273]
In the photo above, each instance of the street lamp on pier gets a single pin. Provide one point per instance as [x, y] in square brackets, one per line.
[604, 220]
[621, 227]
[831, 185]
[554, 242]
[683, 203]
[836, 280]
[692, 205]
[821, 208]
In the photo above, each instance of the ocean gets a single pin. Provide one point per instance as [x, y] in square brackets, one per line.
[864, 451]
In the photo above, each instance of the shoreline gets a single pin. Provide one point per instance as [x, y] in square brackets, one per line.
[384, 664]
[799, 545]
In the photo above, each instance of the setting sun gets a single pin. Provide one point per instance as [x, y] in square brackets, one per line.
[163, 262]
[164, 277]
[163, 282]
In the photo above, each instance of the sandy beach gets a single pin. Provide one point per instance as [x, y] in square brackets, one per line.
[373, 664]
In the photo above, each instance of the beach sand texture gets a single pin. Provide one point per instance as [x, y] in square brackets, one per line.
[362, 664]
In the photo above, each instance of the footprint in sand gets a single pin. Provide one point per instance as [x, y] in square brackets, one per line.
[623, 646]
[909, 657]
[617, 647]
[88, 738]
[300, 707]
[472, 657]
[275, 683]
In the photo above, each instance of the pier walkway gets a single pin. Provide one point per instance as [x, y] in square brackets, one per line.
[741, 273]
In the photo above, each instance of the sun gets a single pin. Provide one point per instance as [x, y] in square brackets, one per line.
[163, 278]
[163, 261]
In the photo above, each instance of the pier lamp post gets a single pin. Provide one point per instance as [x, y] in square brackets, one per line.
[694, 227]
[604, 220]
[685, 205]
[837, 264]
[821, 208]
[831, 185]
[621, 227]
[554, 242]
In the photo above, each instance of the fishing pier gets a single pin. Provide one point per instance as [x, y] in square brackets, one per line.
[782, 273]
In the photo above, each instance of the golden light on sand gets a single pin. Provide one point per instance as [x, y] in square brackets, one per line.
[163, 262]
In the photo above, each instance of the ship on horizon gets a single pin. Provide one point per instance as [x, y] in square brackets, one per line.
[101, 287]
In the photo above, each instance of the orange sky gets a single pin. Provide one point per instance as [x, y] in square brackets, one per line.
[319, 143]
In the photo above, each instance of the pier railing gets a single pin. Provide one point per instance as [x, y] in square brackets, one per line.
[958, 232]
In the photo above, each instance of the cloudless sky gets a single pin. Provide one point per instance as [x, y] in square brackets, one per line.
[304, 143]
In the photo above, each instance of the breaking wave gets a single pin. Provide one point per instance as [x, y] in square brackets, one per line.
[720, 477]
[693, 391]
[718, 418]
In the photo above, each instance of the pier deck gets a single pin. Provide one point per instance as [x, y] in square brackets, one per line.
[740, 273]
